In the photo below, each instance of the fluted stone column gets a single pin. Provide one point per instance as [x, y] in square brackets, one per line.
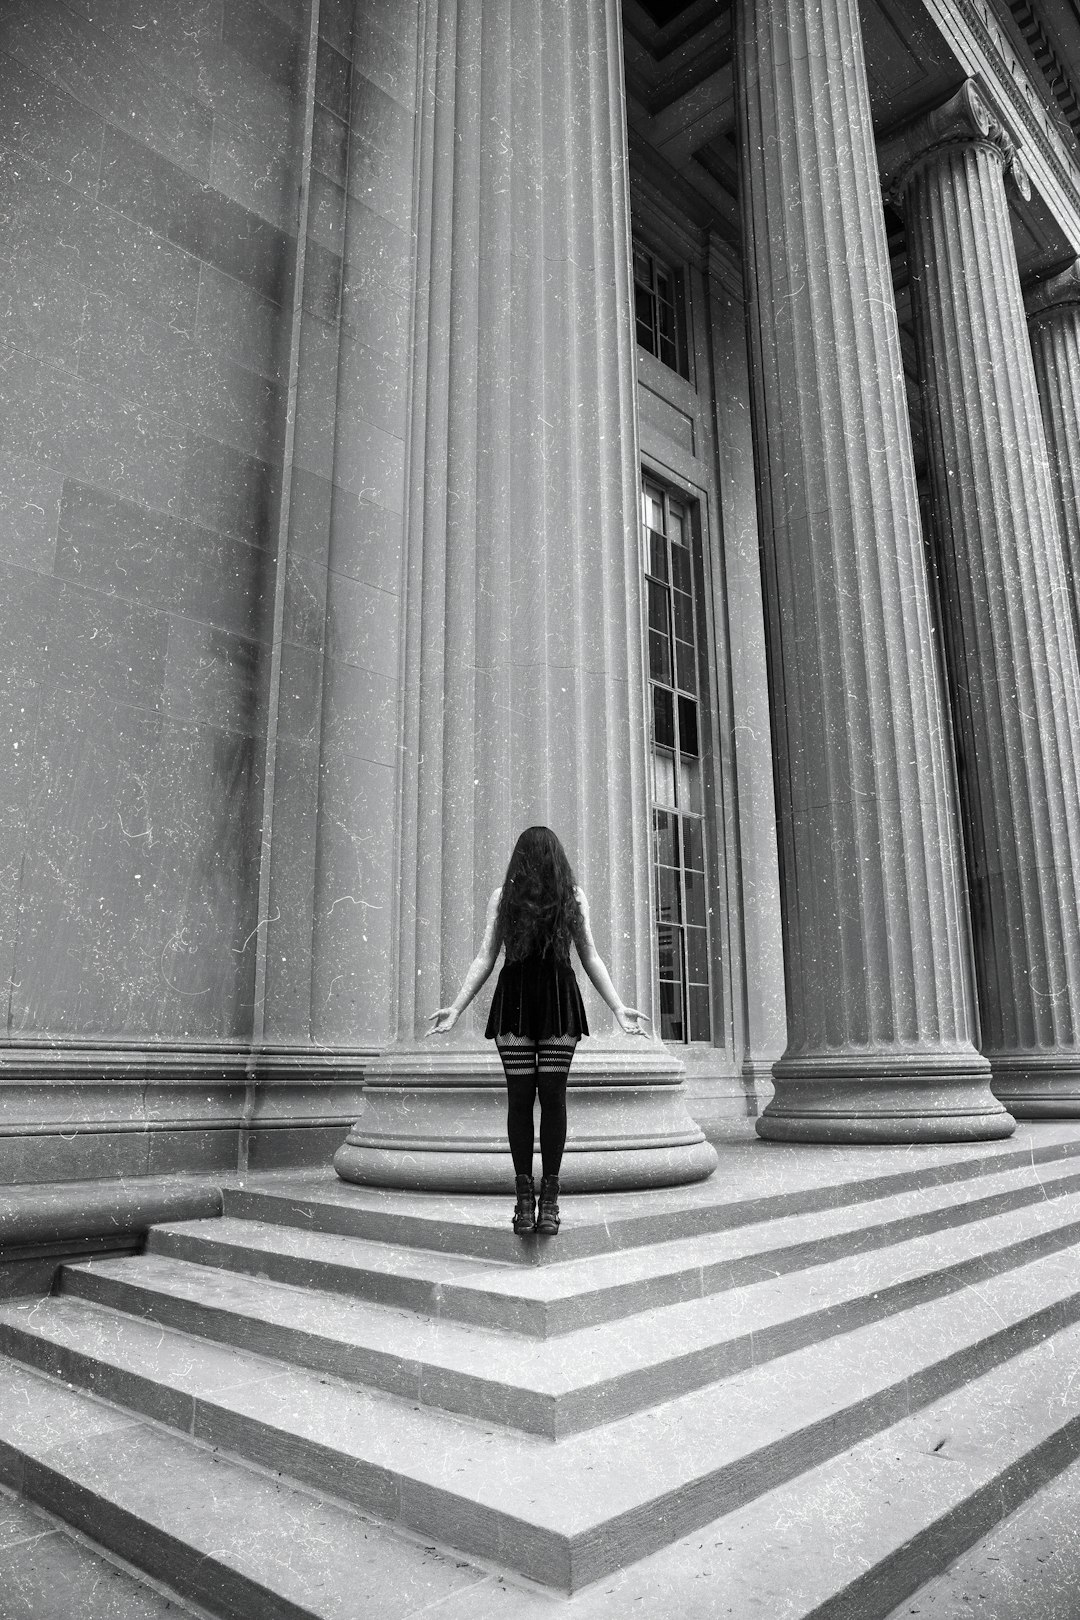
[879, 991]
[1053, 306]
[1009, 629]
[524, 677]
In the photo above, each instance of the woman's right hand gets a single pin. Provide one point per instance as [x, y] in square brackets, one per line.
[445, 1019]
[630, 1021]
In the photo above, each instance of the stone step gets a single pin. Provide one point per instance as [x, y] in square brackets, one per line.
[855, 1537]
[46, 1570]
[410, 1279]
[760, 1187]
[233, 1539]
[560, 1297]
[567, 1513]
[593, 1375]
[1024, 1568]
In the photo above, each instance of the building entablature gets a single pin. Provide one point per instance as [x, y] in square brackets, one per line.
[919, 54]
[979, 43]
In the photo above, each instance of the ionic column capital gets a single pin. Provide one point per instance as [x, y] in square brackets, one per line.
[965, 119]
[1049, 295]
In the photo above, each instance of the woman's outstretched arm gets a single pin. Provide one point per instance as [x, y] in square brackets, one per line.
[482, 964]
[629, 1018]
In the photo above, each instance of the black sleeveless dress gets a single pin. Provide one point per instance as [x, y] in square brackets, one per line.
[537, 996]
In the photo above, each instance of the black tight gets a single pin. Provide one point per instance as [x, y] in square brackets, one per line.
[531, 1067]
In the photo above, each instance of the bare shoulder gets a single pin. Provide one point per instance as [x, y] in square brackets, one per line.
[579, 895]
[494, 897]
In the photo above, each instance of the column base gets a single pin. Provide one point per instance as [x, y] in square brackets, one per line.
[890, 1099]
[1038, 1085]
[436, 1121]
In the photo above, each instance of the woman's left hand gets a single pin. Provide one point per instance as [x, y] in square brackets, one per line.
[630, 1021]
[445, 1019]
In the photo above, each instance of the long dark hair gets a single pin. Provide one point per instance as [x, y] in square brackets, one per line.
[537, 907]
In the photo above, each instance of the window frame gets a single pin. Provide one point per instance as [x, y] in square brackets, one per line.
[702, 809]
[675, 272]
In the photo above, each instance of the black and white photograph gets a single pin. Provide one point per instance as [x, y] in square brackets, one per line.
[540, 809]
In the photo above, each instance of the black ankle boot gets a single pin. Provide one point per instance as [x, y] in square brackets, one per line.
[548, 1218]
[525, 1212]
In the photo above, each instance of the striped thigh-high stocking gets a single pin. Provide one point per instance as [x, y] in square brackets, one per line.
[518, 1054]
[553, 1060]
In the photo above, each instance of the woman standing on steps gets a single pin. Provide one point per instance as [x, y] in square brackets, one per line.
[537, 1015]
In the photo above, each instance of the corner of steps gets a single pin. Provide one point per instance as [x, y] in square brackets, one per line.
[696, 1384]
[561, 1297]
[607, 1369]
[912, 1497]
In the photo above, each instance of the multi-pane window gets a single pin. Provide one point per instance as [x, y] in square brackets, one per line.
[673, 585]
[658, 309]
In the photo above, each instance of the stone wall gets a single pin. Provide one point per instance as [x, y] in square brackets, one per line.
[201, 423]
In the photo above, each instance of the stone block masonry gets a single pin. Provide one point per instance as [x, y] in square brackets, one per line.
[160, 425]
